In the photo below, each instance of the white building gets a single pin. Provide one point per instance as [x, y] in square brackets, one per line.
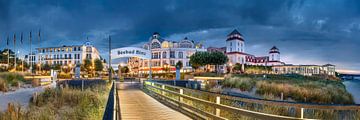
[166, 53]
[235, 50]
[64, 55]
[307, 70]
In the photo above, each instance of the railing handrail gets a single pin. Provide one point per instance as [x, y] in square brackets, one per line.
[274, 102]
[248, 113]
[112, 107]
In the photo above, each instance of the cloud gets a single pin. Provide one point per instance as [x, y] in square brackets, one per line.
[305, 31]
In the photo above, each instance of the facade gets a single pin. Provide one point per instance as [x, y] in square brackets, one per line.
[235, 50]
[64, 55]
[307, 70]
[165, 54]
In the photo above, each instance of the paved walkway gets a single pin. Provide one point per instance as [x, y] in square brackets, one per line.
[136, 105]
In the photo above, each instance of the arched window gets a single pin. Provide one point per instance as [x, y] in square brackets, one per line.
[155, 45]
[186, 44]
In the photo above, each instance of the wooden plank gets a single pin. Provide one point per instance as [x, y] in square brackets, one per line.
[136, 105]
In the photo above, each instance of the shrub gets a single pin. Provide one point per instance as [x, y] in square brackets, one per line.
[64, 76]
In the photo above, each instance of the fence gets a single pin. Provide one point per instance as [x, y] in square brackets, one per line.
[112, 110]
[218, 106]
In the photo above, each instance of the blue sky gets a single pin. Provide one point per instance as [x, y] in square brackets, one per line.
[305, 31]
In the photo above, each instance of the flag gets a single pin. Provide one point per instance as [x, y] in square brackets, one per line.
[7, 40]
[30, 37]
[39, 35]
[21, 38]
[14, 39]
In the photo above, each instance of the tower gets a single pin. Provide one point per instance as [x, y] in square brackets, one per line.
[235, 42]
[274, 54]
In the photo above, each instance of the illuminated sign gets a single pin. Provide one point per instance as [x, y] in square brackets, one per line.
[130, 52]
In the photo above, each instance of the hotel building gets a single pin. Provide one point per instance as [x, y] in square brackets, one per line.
[64, 55]
[165, 54]
[307, 70]
[235, 50]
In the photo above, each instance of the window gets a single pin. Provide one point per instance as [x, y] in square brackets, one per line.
[69, 56]
[65, 56]
[155, 45]
[164, 55]
[172, 62]
[180, 54]
[172, 54]
[155, 55]
[230, 43]
[88, 56]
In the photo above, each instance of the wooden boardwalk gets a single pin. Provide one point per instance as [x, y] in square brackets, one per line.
[136, 105]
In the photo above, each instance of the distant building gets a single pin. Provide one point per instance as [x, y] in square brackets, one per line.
[215, 49]
[307, 70]
[64, 55]
[235, 50]
[165, 54]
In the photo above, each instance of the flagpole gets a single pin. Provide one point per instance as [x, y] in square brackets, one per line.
[30, 58]
[7, 45]
[110, 71]
[23, 57]
[40, 52]
[15, 51]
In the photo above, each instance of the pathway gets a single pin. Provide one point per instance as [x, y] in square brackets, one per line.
[136, 105]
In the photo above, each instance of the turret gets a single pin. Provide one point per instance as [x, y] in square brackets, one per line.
[235, 42]
[274, 54]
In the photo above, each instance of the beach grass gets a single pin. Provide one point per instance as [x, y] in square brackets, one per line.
[62, 103]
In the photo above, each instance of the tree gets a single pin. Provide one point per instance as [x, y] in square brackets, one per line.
[198, 59]
[179, 65]
[125, 69]
[237, 67]
[217, 58]
[46, 67]
[98, 65]
[87, 65]
[206, 58]
[56, 66]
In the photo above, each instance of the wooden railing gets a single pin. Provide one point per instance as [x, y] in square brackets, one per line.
[112, 110]
[218, 106]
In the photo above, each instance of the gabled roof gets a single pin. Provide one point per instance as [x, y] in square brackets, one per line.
[234, 32]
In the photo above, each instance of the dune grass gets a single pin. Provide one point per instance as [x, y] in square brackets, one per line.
[10, 79]
[63, 104]
[294, 87]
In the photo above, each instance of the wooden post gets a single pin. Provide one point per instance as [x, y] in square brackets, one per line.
[181, 92]
[217, 102]
[302, 113]
[163, 87]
